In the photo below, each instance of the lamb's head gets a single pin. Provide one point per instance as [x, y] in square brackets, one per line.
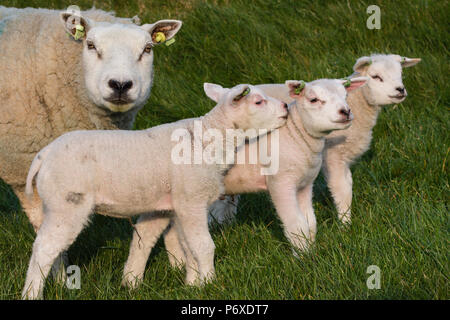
[322, 104]
[248, 107]
[385, 85]
[118, 59]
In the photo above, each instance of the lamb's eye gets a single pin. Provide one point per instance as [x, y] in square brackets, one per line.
[148, 48]
[377, 77]
[90, 45]
[259, 102]
[314, 100]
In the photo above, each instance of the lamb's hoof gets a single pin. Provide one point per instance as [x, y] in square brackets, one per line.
[198, 281]
[175, 263]
[31, 294]
[345, 220]
[305, 247]
[58, 271]
[131, 282]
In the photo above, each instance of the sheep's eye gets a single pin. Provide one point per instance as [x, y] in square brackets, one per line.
[90, 45]
[259, 102]
[377, 77]
[148, 48]
[314, 100]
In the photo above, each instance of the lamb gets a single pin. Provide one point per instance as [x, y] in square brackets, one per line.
[320, 107]
[343, 148]
[385, 87]
[51, 83]
[125, 173]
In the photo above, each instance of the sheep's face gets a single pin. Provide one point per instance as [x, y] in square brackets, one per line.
[385, 85]
[118, 60]
[248, 107]
[322, 103]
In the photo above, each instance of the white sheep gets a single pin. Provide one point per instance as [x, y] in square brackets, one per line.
[51, 83]
[125, 173]
[342, 148]
[320, 107]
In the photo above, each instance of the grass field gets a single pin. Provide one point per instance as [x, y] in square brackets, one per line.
[401, 185]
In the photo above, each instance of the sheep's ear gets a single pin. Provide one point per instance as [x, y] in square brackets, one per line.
[362, 63]
[296, 87]
[409, 62]
[354, 83]
[76, 25]
[163, 30]
[214, 91]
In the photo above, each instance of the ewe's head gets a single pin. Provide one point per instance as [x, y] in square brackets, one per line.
[248, 107]
[322, 103]
[118, 59]
[385, 84]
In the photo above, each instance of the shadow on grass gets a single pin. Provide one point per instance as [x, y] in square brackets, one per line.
[8, 200]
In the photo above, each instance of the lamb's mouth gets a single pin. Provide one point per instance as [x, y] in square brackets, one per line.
[344, 121]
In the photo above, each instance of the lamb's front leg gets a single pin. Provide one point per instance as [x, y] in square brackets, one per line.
[304, 197]
[339, 180]
[191, 222]
[148, 230]
[296, 229]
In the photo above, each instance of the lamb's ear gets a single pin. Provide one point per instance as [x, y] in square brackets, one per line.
[136, 20]
[239, 92]
[362, 63]
[76, 25]
[214, 91]
[296, 87]
[354, 83]
[409, 62]
[167, 28]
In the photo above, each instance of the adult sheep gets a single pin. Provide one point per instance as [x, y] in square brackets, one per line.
[52, 82]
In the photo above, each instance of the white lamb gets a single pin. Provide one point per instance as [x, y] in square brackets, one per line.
[320, 107]
[125, 173]
[51, 83]
[342, 148]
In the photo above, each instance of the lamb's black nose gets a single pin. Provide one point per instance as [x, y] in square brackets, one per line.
[345, 112]
[401, 90]
[285, 106]
[120, 87]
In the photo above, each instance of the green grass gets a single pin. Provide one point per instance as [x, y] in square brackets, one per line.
[401, 185]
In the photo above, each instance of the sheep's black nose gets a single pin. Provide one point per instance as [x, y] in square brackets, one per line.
[120, 87]
[285, 106]
[401, 90]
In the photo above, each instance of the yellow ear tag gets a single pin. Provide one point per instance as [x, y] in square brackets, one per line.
[160, 37]
[79, 32]
[169, 42]
[300, 87]
[347, 83]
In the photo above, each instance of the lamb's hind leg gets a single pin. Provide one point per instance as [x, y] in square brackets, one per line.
[148, 230]
[34, 211]
[339, 180]
[58, 231]
[32, 207]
